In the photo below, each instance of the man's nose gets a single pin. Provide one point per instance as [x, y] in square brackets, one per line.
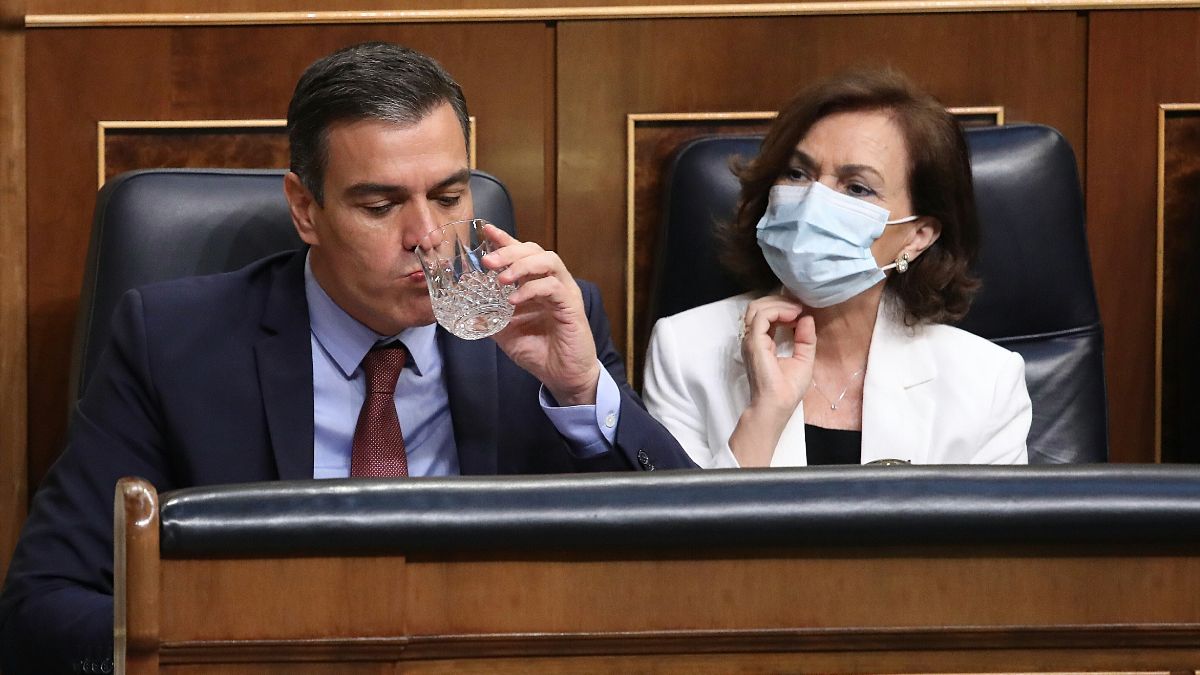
[419, 221]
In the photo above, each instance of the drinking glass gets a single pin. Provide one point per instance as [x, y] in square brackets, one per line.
[467, 299]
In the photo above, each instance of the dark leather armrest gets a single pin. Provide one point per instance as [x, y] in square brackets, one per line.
[682, 512]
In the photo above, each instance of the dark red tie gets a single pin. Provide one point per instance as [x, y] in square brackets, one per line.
[378, 450]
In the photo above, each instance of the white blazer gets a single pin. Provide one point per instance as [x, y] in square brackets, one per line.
[933, 394]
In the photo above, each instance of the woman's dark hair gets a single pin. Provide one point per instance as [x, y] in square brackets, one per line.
[938, 286]
[373, 80]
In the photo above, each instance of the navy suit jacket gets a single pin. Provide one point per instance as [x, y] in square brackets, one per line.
[208, 380]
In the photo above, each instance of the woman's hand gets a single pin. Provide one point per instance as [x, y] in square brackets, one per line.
[777, 383]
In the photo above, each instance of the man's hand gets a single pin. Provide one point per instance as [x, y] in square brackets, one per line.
[548, 335]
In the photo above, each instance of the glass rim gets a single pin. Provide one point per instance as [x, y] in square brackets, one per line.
[478, 222]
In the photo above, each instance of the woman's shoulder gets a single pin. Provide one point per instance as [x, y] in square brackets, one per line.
[960, 346]
[720, 317]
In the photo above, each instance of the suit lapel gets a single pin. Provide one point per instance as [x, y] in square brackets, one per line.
[897, 409]
[472, 385]
[285, 375]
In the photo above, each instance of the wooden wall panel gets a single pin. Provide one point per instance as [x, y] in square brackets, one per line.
[1031, 64]
[12, 278]
[1137, 60]
[87, 75]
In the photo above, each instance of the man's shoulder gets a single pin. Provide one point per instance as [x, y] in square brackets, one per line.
[222, 290]
[200, 309]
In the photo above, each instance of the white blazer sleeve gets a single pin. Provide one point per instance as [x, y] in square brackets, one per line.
[667, 397]
[1004, 436]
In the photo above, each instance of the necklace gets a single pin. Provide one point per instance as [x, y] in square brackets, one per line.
[833, 405]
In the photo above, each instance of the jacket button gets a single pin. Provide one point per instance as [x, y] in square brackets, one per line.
[644, 460]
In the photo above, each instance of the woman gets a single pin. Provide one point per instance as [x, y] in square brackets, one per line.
[857, 227]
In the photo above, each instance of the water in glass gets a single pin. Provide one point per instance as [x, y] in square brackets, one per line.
[475, 307]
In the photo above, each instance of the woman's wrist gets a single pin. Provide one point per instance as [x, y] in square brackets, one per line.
[757, 433]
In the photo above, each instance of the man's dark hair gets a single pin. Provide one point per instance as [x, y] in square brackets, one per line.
[369, 81]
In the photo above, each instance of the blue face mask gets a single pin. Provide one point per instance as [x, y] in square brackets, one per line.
[818, 242]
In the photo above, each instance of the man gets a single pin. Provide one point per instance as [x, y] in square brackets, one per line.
[260, 374]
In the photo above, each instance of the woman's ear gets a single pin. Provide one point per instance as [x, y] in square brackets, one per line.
[926, 230]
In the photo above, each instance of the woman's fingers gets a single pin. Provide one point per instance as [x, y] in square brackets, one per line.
[778, 382]
[766, 312]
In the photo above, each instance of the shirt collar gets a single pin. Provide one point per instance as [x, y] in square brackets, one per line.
[347, 341]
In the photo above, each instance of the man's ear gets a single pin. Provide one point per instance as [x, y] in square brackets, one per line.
[926, 232]
[301, 204]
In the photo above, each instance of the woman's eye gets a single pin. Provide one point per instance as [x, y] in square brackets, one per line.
[859, 190]
[796, 174]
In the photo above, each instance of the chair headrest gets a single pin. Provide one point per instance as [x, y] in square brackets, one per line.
[1033, 242]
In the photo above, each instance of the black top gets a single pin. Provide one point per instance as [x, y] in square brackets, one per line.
[832, 446]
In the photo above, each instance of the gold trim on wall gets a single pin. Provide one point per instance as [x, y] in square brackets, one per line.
[609, 12]
[631, 122]
[1159, 254]
[996, 111]
[103, 126]
[14, 285]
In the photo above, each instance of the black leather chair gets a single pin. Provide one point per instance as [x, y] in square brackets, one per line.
[1038, 298]
[164, 224]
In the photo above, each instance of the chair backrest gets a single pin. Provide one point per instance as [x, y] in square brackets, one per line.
[165, 224]
[1037, 299]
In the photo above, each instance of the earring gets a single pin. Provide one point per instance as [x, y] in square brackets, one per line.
[902, 263]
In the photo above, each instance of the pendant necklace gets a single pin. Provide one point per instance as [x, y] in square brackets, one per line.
[833, 404]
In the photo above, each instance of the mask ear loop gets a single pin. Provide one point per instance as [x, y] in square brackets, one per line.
[901, 264]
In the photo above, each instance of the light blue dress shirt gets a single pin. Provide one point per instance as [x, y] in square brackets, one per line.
[339, 343]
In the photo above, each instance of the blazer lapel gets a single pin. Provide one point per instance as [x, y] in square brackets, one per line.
[285, 374]
[897, 410]
[472, 385]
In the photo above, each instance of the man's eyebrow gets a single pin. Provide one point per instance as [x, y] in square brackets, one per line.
[460, 176]
[367, 189]
[364, 189]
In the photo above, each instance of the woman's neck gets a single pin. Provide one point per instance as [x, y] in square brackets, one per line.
[844, 330]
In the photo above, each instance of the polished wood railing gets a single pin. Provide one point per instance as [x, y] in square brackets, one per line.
[432, 580]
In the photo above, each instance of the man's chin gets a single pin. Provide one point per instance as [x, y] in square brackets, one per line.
[411, 315]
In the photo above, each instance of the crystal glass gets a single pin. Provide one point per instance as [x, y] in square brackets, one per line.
[467, 299]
